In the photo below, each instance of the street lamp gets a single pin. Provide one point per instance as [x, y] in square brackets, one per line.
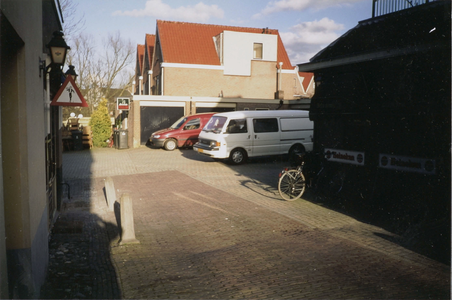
[58, 48]
[71, 71]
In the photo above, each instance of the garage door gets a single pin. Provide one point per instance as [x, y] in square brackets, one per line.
[156, 118]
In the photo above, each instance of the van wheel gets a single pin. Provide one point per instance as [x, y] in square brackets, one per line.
[170, 145]
[237, 156]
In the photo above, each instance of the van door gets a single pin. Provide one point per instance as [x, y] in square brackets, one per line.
[266, 136]
[238, 134]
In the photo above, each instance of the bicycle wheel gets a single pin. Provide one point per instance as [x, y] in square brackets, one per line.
[291, 185]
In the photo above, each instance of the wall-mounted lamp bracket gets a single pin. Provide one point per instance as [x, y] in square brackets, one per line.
[43, 69]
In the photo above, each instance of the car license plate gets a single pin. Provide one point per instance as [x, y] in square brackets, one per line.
[200, 150]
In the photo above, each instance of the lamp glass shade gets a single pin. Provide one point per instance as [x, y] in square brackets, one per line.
[58, 55]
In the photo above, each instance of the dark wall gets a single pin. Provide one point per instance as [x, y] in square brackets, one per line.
[213, 109]
[156, 118]
[398, 106]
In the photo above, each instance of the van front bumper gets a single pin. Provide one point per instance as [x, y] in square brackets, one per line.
[209, 151]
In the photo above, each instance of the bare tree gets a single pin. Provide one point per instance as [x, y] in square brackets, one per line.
[99, 69]
[72, 24]
[82, 55]
[119, 56]
[100, 73]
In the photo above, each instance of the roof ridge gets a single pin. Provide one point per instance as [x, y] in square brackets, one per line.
[216, 25]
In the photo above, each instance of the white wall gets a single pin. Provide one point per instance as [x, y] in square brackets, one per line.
[238, 51]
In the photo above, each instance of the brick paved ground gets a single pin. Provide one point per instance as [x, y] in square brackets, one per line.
[210, 230]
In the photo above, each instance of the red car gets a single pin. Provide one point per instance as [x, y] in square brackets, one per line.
[183, 133]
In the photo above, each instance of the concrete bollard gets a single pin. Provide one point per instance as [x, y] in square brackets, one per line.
[110, 193]
[127, 224]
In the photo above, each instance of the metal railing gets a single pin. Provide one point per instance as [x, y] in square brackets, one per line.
[383, 7]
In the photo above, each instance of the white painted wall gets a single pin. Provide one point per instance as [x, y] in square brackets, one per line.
[238, 51]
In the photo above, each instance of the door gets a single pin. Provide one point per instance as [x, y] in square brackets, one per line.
[188, 136]
[265, 136]
[238, 135]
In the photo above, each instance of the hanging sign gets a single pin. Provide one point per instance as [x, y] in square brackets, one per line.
[69, 95]
[122, 103]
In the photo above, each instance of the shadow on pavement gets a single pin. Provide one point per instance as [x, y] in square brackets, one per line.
[80, 264]
[426, 232]
[421, 233]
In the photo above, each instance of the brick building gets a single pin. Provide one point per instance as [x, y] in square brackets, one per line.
[188, 67]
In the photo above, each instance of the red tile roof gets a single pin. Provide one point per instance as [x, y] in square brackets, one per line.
[150, 43]
[307, 79]
[140, 57]
[192, 43]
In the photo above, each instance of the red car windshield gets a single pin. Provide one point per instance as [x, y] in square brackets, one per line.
[178, 123]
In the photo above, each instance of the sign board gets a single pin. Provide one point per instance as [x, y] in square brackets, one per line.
[407, 164]
[345, 156]
[122, 103]
[69, 95]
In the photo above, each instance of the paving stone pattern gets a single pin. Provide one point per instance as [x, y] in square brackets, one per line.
[209, 230]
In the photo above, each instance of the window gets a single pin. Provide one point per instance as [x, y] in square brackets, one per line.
[257, 51]
[192, 124]
[237, 126]
[265, 125]
[178, 123]
[215, 124]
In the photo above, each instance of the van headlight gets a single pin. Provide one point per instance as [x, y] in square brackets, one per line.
[215, 144]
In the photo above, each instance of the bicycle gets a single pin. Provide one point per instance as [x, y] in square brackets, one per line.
[309, 172]
[292, 182]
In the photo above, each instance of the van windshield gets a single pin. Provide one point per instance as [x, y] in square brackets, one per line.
[215, 124]
[178, 123]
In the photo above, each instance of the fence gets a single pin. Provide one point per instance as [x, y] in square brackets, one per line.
[383, 7]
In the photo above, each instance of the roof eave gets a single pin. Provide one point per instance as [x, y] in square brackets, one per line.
[366, 57]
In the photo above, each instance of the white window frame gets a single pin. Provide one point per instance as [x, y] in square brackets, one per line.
[255, 52]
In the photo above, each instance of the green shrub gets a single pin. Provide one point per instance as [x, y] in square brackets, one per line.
[101, 125]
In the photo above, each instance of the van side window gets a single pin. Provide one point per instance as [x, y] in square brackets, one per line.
[237, 126]
[265, 125]
[192, 124]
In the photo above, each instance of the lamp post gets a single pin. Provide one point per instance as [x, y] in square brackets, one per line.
[58, 51]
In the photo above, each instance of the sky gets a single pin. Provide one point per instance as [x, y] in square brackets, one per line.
[305, 26]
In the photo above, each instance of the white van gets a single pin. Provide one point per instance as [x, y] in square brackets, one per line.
[240, 134]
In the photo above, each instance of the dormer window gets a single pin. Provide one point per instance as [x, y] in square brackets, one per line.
[258, 50]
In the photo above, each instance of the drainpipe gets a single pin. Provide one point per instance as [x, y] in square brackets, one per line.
[161, 74]
[133, 87]
[280, 71]
[149, 81]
